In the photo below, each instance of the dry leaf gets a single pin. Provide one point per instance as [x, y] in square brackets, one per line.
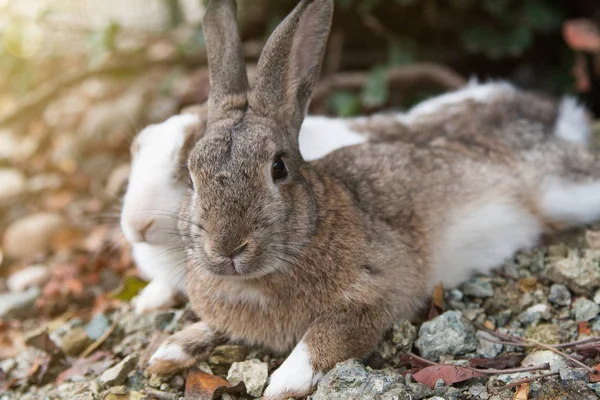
[203, 386]
[522, 392]
[450, 374]
[497, 362]
[583, 327]
[437, 301]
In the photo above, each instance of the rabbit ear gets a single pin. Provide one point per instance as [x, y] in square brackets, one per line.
[289, 65]
[228, 79]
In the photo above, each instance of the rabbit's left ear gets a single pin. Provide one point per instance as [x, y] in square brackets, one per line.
[226, 65]
[290, 63]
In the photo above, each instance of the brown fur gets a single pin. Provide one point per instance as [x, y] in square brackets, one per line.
[342, 248]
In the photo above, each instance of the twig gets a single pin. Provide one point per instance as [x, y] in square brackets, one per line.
[565, 355]
[94, 346]
[160, 395]
[423, 360]
[371, 22]
[412, 74]
[492, 371]
[522, 381]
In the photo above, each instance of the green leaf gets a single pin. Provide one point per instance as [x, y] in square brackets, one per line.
[496, 44]
[103, 41]
[400, 55]
[375, 92]
[344, 104]
[541, 16]
[497, 7]
[130, 288]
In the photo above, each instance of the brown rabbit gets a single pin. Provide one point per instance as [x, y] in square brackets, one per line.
[322, 257]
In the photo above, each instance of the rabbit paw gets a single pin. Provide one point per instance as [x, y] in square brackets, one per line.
[155, 296]
[295, 377]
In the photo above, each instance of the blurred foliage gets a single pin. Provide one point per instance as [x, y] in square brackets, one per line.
[515, 39]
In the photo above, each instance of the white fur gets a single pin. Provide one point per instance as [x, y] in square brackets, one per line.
[572, 124]
[480, 93]
[321, 135]
[170, 352]
[480, 238]
[295, 377]
[155, 296]
[571, 203]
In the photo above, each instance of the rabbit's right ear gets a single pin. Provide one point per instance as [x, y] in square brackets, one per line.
[226, 65]
[289, 65]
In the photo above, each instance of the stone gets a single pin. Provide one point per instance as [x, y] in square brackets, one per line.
[540, 357]
[577, 374]
[253, 373]
[597, 297]
[585, 310]
[352, 380]
[75, 341]
[486, 348]
[12, 183]
[117, 374]
[534, 314]
[580, 274]
[478, 287]
[559, 295]
[97, 326]
[18, 305]
[543, 333]
[553, 389]
[404, 335]
[84, 396]
[447, 334]
[32, 276]
[223, 356]
[32, 235]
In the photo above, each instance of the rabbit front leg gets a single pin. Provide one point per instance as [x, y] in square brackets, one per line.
[334, 337]
[181, 349]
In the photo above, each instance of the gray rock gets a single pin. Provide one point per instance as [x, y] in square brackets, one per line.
[18, 305]
[580, 274]
[117, 374]
[84, 396]
[418, 390]
[223, 356]
[540, 357]
[534, 314]
[596, 325]
[486, 348]
[553, 389]
[253, 373]
[585, 310]
[31, 235]
[577, 374]
[559, 295]
[97, 326]
[404, 335]
[352, 380]
[597, 297]
[449, 333]
[478, 287]
[75, 341]
[12, 183]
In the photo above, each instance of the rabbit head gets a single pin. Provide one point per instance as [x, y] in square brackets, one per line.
[157, 181]
[249, 207]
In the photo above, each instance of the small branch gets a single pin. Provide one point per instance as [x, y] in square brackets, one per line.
[511, 370]
[522, 381]
[423, 360]
[565, 355]
[160, 395]
[94, 346]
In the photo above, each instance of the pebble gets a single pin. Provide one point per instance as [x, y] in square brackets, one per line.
[404, 335]
[478, 287]
[75, 341]
[580, 274]
[18, 305]
[559, 295]
[597, 297]
[12, 183]
[223, 356]
[544, 333]
[32, 276]
[485, 348]
[97, 326]
[117, 374]
[253, 373]
[540, 357]
[447, 334]
[585, 310]
[534, 314]
[577, 374]
[32, 235]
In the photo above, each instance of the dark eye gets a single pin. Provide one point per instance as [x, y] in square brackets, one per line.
[278, 169]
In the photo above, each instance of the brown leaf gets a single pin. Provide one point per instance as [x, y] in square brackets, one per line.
[407, 359]
[527, 284]
[522, 392]
[497, 363]
[437, 301]
[450, 374]
[582, 35]
[595, 377]
[94, 364]
[583, 328]
[202, 386]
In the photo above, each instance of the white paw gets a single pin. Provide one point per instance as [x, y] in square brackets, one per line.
[155, 296]
[295, 377]
[170, 352]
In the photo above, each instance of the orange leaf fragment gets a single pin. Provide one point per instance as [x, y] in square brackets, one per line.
[202, 386]
[437, 301]
[522, 392]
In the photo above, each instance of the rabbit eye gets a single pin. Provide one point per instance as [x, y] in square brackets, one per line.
[278, 169]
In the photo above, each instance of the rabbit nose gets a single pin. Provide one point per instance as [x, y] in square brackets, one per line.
[141, 229]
